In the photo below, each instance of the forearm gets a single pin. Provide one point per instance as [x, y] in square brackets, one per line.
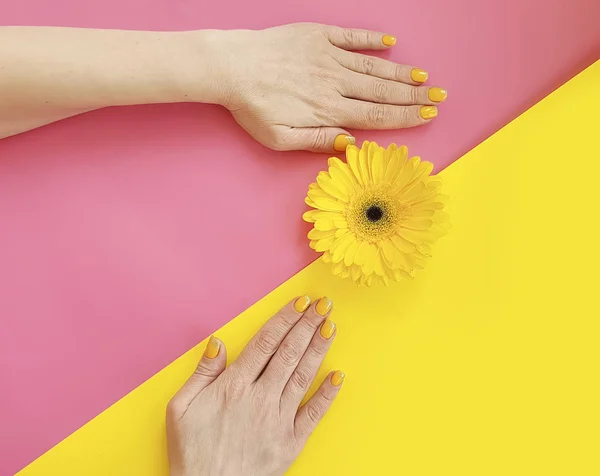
[50, 73]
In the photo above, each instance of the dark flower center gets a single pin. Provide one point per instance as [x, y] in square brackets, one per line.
[374, 213]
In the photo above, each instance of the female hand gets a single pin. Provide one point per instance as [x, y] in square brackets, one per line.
[246, 420]
[294, 86]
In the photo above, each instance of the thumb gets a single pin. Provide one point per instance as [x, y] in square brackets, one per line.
[211, 365]
[317, 139]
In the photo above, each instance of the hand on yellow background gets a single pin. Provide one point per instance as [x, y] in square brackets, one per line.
[247, 419]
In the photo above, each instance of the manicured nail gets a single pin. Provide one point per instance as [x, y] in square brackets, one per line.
[388, 40]
[418, 75]
[429, 112]
[302, 304]
[212, 348]
[342, 141]
[337, 378]
[437, 94]
[327, 329]
[324, 306]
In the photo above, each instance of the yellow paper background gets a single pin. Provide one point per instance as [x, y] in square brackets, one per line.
[486, 364]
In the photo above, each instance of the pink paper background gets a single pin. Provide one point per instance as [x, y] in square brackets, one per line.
[128, 235]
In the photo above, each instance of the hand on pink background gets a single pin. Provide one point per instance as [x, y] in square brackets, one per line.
[246, 419]
[293, 87]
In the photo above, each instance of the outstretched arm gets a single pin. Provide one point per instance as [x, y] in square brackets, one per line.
[291, 87]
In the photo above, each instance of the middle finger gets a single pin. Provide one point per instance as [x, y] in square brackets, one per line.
[291, 350]
[382, 91]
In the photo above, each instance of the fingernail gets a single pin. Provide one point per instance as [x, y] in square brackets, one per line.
[342, 141]
[324, 306]
[418, 75]
[437, 94]
[388, 40]
[337, 378]
[327, 329]
[302, 304]
[429, 112]
[212, 348]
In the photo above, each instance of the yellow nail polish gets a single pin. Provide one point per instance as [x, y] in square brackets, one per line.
[212, 348]
[324, 306]
[388, 40]
[429, 112]
[342, 141]
[327, 329]
[418, 75]
[302, 304]
[437, 94]
[337, 378]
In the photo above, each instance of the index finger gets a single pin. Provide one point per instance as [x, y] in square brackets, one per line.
[266, 341]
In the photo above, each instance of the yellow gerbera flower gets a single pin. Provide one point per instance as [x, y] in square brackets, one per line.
[377, 215]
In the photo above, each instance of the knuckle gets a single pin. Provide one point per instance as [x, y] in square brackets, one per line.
[381, 91]
[366, 64]
[266, 343]
[326, 395]
[350, 37]
[316, 351]
[398, 72]
[204, 370]
[413, 95]
[278, 142]
[233, 389]
[301, 378]
[286, 318]
[376, 116]
[314, 412]
[289, 353]
[319, 140]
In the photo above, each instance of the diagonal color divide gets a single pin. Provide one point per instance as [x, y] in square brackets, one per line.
[126, 236]
[485, 364]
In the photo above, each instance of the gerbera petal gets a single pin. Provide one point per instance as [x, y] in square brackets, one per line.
[355, 273]
[418, 224]
[424, 249]
[388, 250]
[315, 234]
[405, 175]
[325, 203]
[363, 165]
[365, 252]
[379, 266]
[402, 244]
[377, 166]
[341, 232]
[312, 244]
[336, 190]
[310, 203]
[326, 256]
[352, 157]
[416, 237]
[422, 171]
[340, 172]
[312, 216]
[324, 225]
[325, 244]
[338, 268]
[340, 247]
[412, 191]
[313, 186]
[441, 217]
[350, 253]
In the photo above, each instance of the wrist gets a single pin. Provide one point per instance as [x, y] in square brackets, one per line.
[198, 67]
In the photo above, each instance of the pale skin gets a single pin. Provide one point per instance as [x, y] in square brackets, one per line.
[293, 87]
[248, 419]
